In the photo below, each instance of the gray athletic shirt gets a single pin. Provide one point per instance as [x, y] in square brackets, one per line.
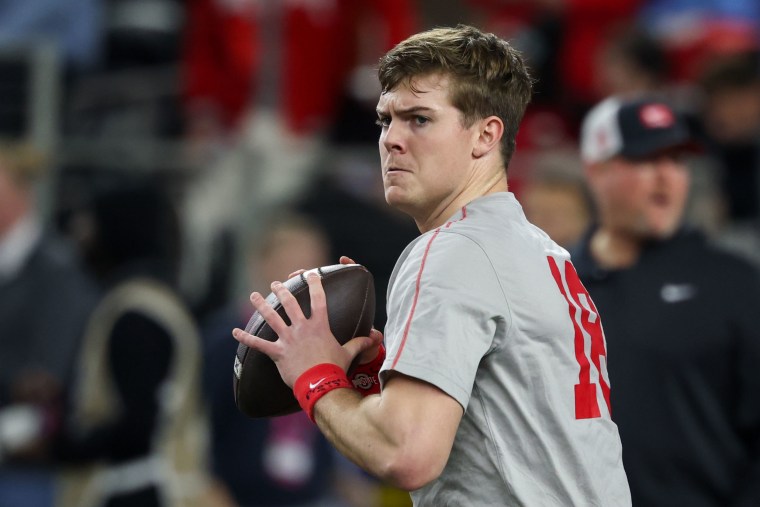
[489, 309]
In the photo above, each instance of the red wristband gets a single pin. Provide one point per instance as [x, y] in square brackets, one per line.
[316, 382]
[365, 376]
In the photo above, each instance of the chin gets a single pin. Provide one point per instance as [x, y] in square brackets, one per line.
[394, 197]
[662, 232]
[659, 226]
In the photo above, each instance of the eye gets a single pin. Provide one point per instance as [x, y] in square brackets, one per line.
[383, 121]
[421, 120]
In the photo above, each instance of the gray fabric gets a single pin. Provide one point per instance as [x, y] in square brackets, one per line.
[474, 310]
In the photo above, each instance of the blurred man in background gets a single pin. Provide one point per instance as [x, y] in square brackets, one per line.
[45, 299]
[730, 117]
[679, 316]
[556, 201]
[136, 434]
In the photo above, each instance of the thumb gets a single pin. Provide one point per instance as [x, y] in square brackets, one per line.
[376, 336]
[357, 345]
[369, 353]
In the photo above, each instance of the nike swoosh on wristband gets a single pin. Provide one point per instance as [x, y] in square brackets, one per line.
[312, 386]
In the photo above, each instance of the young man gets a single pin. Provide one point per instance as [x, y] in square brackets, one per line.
[681, 316]
[494, 388]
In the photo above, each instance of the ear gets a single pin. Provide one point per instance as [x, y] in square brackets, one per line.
[490, 130]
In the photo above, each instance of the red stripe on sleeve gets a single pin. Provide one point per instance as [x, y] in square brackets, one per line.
[416, 297]
[417, 287]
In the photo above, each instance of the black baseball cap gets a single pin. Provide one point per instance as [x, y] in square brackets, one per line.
[633, 129]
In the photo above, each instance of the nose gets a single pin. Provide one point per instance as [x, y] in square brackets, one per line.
[669, 164]
[392, 138]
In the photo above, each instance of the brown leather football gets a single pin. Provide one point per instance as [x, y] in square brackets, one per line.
[350, 293]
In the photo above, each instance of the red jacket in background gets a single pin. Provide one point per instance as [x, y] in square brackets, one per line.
[322, 41]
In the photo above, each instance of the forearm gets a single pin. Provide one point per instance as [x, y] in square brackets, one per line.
[354, 425]
[402, 436]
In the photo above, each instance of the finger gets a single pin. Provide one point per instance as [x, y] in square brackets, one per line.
[296, 273]
[268, 313]
[317, 296]
[347, 260]
[288, 301]
[256, 343]
[370, 353]
[376, 336]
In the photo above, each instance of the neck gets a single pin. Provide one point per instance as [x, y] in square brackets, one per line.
[470, 192]
[614, 249]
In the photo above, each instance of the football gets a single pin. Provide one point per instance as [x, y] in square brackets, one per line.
[350, 294]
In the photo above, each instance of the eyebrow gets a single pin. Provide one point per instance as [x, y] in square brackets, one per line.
[407, 111]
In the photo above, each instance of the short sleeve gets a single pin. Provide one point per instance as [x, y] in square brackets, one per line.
[445, 305]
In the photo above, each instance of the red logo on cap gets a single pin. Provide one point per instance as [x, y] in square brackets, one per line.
[655, 116]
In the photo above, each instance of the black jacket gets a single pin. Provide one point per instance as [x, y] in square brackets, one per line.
[683, 339]
[43, 313]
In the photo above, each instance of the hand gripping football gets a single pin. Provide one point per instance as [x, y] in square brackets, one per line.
[350, 293]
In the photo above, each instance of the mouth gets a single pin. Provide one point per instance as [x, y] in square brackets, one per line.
[660, 200]
[395, 170]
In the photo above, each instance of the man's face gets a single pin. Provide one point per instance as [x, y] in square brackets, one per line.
[425, 151]
[644, 199]
[560, 210]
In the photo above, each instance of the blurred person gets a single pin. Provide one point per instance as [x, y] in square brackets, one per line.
[135, 434]
[45, 300]
[580, 31]
[479, 400]
[262, 81]
[694, 31]
[631, 63]
[281, 461]
[634, 64]
[557, 202]
[730, 120]
[679, 316]
[239, 55]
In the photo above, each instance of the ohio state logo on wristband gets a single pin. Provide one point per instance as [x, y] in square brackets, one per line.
[365, 376]
[364, 381]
